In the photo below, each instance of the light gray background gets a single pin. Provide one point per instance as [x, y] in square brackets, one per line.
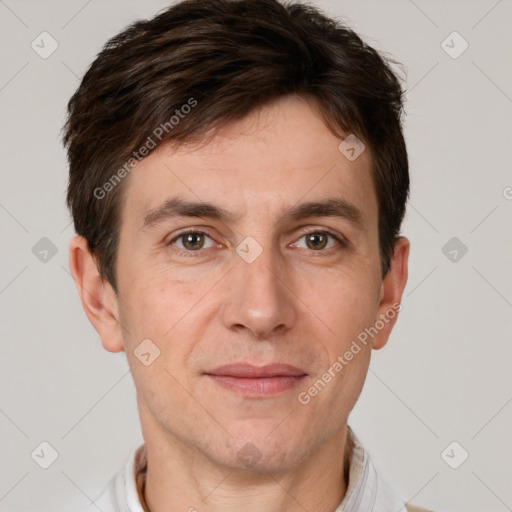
[445, 374]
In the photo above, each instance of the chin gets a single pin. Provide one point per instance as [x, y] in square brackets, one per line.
[263, 453]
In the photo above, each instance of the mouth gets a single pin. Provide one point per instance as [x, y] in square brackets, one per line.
[254, 381]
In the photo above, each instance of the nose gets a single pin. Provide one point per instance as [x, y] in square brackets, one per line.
[259, 297]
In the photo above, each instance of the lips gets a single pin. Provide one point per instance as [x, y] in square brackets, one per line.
[257, 381]
[254, 372]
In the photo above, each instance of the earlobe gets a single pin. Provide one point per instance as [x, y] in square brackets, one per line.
[392, 289]
[96, 294]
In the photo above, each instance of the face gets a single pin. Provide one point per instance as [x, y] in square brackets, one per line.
[275, 261]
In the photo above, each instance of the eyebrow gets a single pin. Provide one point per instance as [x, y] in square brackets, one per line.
[334, 207]
[179, 207]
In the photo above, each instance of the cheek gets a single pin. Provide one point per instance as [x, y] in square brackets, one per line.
[161, 311]
[347, 386]
[174, 314]
[154, 302]
[347, 303]
[351, 306]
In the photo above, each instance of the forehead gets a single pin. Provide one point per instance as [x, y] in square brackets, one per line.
[275, 158]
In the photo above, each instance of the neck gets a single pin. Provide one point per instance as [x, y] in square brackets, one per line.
[181, 478]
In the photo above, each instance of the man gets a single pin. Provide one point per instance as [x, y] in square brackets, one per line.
[238, 178]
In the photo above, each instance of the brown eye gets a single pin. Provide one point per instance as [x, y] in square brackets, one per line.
[316, 241]
[192, 241]
[319, 241]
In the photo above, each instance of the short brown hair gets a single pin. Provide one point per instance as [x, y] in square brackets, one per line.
[225, 58]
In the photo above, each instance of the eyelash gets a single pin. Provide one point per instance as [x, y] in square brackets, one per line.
[342, 242]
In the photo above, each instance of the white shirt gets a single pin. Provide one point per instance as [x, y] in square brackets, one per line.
[366, 490]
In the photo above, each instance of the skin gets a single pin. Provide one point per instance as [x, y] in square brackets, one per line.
[297, 303]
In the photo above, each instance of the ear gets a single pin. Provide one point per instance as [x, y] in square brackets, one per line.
[96, 294]
[391, 292]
